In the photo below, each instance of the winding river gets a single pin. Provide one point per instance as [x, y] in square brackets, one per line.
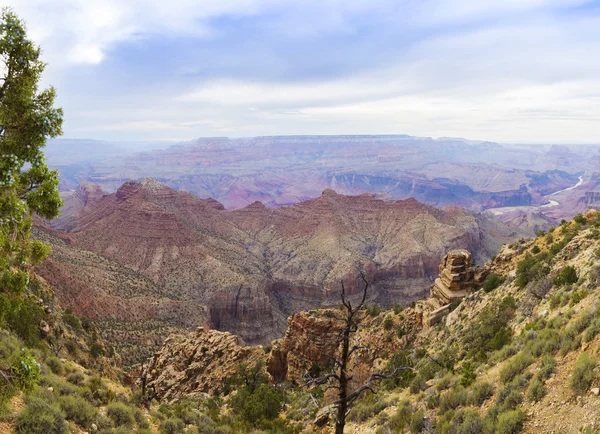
[551, 202]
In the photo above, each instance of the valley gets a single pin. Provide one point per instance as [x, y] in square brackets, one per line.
[146, 259]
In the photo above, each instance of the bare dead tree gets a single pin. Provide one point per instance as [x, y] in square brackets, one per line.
[342, 374]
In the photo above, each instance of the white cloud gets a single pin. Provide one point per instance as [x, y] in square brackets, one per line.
[509, 70]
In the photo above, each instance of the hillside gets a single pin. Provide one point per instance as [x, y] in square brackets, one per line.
[148, 258]
[519, 354]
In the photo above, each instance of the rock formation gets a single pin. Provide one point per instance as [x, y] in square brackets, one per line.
[454, 282]
[456, 277]
[247, 270]
[311, 342]
[196, 363]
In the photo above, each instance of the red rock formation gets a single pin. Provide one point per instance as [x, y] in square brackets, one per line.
[255, 266]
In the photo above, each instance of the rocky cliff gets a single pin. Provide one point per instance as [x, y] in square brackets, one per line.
[247, 270]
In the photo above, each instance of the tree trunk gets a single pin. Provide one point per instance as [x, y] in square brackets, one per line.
[340, 422]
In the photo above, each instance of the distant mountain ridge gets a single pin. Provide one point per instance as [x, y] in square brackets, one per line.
[284, 170]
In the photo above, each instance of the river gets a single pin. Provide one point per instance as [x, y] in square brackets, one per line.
[551, 203]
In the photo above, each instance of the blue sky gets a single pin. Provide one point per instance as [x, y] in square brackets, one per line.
[509, 71]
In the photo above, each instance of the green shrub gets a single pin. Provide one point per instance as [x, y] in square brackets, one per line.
[567, 276]
[510, 422]
[577, 296]
[403, 377]
[388, 323]
[445, 382]
[579, 218]
[547, 365]
[433, 401]
[366, 408]
[21, 316]
[402, 417]
[26, 371]
[76, 378]
[55, 365]
[39, 417]
[515, 366]
[172, 426]
[417, 422]
[529, 269]
[72, 320]
[77, 409]
[480, 392]
[417, 385]
[264, 403]
[491, 332]
[535, 250]
[583, 374]
[373, 310]
[492, 281]
[536, 390]
[592, 331]
[120, 414]
[453, 399]
[468, 374]
[463, 422]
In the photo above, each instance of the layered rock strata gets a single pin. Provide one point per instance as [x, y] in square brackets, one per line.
[454, 282]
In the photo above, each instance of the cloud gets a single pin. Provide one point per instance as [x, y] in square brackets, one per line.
[150, 69]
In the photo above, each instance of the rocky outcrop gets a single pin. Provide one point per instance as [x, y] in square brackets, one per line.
[591, 197]
[251, 268]
[456, 277]
[312, 341]
[454, 283]
[197, 363]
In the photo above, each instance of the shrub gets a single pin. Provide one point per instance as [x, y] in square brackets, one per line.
[592, 331]
[529, 269]
[417, 385]
[26, 371]
[547, 365]
[172, 426]
[468, 374]
[388, 323]
[515, 366]
[373, 310]
[453, 399]
[55, 365]
[579, 218]
[264, 403]
[480, 392]
[77, 409]
[535, 250]
[492, 281]
[491, 331]
[402, 417]
[76, 378]
[72, 320]
[40, 417]
[417, 422]
[366, 408]
[510, 422]
[21, 316]
[120, 414]
[567, 276]
[536, 390]
[433, 401]
[583, 373]
[577, 296]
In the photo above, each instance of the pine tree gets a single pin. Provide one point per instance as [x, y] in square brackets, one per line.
[27, 187]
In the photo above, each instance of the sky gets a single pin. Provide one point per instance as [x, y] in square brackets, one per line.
[509, 71]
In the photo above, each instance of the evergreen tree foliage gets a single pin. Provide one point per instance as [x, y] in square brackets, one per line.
[27, 186]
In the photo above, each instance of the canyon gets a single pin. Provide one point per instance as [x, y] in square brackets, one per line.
[148, 259]
[285, 170]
